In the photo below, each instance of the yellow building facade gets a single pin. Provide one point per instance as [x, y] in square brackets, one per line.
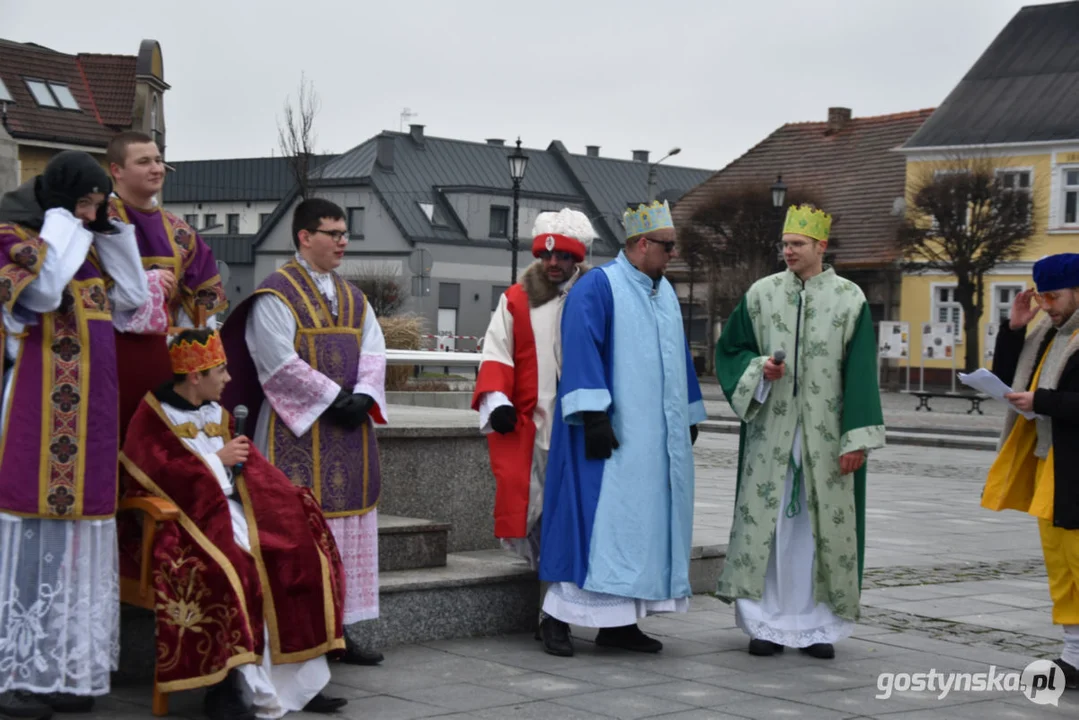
[1050, 172]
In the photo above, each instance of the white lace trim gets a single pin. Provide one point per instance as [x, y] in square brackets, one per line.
[59, 605]
[569, 603]
[357, 541]
[792, 631]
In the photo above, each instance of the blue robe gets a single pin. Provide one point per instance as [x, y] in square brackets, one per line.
[623, 526]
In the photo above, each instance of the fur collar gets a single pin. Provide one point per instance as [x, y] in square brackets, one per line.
[540, 290]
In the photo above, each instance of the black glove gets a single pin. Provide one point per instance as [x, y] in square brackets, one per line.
[69, 176]
[599, 439]
[348, 410]
[365, 402]
[503, 419]
[101, 223]
[693, 432]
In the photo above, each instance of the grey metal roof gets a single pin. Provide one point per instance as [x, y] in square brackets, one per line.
[267, 178]
[233, 249]
[1024, 87]
[430, 170]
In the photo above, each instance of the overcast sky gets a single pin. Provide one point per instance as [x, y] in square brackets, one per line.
[711, 76]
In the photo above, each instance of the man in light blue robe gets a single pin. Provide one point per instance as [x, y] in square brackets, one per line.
[618, 497]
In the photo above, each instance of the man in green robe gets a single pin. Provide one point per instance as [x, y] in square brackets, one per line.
[809, 416]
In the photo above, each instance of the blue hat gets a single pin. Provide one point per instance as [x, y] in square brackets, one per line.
[1057, 272]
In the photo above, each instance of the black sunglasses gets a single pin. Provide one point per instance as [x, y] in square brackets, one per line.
[668, 245]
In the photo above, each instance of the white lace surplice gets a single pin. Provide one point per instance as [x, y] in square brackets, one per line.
[59, 579]
[300, 394]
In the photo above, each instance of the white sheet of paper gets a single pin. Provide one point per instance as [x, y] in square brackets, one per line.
[986, 382]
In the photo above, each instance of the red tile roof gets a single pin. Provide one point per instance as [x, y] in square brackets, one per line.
[103, 86]
[854, 172]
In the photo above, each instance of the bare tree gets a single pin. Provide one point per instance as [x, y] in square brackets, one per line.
[296, 136]
[733, 236]
[963, 219]
[382, 285]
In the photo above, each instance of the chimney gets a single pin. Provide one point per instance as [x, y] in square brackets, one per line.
[838, 117]
[497, 142]
[416, 131]
[384, 159]
[591, 150]
[640, 155]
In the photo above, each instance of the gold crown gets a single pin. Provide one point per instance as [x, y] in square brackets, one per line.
[647, 218]
[190, 356]
[804, 220]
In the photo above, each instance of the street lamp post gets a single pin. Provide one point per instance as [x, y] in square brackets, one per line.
[779, 201]
[518, 164]
[652, 174]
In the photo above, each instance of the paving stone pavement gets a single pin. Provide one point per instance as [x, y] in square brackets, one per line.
[949, 587]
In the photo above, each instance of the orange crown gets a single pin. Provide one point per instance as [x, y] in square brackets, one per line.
[191, 357]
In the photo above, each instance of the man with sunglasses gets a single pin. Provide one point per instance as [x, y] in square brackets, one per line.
[1035, 469]
[797, 543]
[309, 360]
[517, 383]
[618, 496]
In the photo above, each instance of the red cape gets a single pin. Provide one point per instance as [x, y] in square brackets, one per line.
[213, 597]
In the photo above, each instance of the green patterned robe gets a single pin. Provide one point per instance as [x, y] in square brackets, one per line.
[830, 385]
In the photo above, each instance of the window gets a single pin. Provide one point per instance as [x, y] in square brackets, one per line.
[433, 213]
[1003, 297]
[947, 310]
[500, 221]
[64, 96]
[5, 96]
[192, 220]
[50, 94]
[497, 291]
[41, 93]
[209, 220]
[1015, 179]
[263, 217]
[232, 222]
[355, 222]
[1071, 196]
[153, 115]
[449, 300]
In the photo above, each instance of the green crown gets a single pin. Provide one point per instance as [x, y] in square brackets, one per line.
[804, 220]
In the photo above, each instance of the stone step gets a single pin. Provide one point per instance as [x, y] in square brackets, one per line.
[406, 543]
[941, 437]
[483, 592]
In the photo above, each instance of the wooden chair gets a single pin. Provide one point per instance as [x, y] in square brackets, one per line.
[140, 593]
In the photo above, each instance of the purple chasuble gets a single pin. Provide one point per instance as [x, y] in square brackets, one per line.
[167, 242]
[61, 439]
[340, 466]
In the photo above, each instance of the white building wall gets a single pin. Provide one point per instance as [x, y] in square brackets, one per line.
[248, 211]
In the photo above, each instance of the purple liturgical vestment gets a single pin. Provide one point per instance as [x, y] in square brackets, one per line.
[340, 466]
[60, 440]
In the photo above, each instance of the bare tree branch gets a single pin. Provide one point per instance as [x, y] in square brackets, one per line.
[383, 286]
[962, 220]
[296, 136]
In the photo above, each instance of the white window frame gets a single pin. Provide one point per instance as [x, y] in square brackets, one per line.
[1061, 195]
[996, 306]
[5, 94]
[1029, 170]
[936, 305]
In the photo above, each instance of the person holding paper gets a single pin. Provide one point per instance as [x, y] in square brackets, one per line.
[1033, 470]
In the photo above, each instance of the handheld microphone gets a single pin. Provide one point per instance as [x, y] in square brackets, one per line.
[240, 413]
[777, 357]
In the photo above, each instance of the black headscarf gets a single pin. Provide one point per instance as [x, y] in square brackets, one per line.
[70, 175]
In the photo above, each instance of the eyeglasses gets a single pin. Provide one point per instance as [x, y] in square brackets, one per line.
[559, 254]
[1045, 299]
[337, 235]
[799, 245]
[668, 245]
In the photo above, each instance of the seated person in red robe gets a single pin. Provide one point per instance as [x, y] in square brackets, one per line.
[249, 581]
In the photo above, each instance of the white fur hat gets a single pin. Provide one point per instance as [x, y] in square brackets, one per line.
[566, 231]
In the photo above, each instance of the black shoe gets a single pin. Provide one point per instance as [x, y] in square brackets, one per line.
[1071, 674]
[764, 648]
[64, 703]
[821, 651]
[21, 704]
[628, 637]
[355, 655]
[556, 637]
[224, 701]
[322, 705]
